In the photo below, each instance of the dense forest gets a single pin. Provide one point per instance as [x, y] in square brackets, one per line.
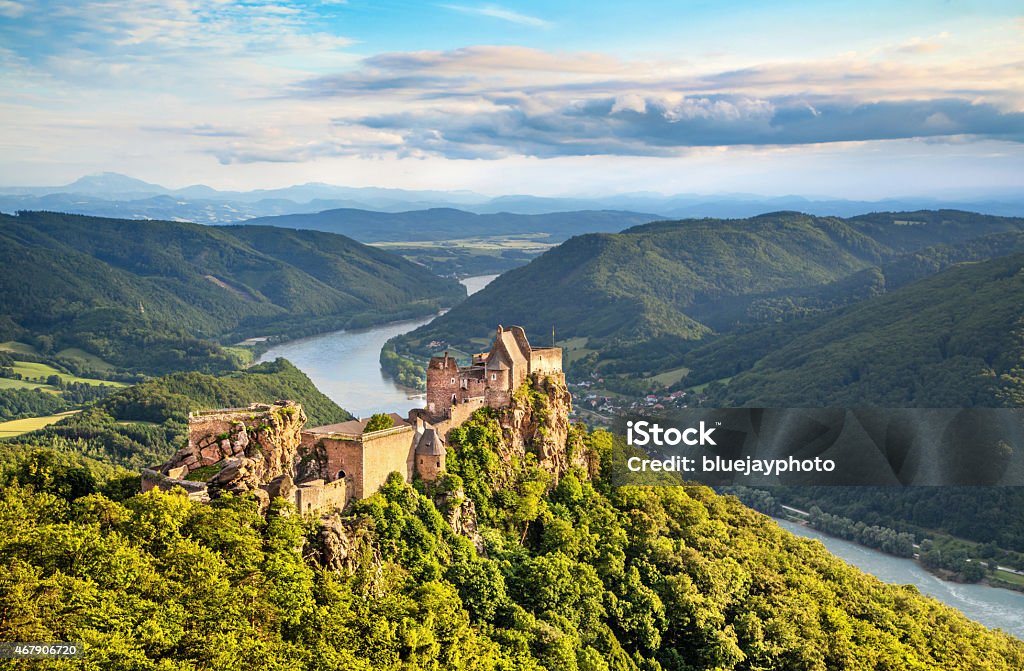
[574, 575]
[157, 296]
[954, 339]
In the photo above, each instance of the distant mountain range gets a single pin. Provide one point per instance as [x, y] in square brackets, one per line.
[115, 195]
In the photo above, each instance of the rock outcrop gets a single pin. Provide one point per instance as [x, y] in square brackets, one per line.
[269, 454]
[239, 450]
[459, 512]
[346, 545]
[537, 420]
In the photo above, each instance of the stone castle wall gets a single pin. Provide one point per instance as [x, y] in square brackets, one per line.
[461, 412]
[498, 398]
[383, 453]
[317, 495]
[429, 466]
[364, 463]
[330, 459]
[546, 360]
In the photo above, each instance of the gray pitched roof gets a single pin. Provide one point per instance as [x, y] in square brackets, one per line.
[431, 444]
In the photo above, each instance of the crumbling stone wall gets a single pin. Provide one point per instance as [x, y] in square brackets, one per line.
[252, 447]
[546, 360]
[320, 496]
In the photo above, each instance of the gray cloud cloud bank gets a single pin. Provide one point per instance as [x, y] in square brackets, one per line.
[491, 102]
[639, 126]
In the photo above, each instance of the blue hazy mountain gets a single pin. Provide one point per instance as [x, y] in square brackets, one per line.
[115, 195]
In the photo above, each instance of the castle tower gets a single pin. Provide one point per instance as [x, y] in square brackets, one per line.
[442, 385]
[430, 454]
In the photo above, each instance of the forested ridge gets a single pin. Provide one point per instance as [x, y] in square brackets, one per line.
[157, 296]
[575, 575]
[643, 298]
[953, 339]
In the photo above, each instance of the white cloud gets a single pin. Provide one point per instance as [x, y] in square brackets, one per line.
[629, 102]
[262, 87]
[10, 9]
[501, 13]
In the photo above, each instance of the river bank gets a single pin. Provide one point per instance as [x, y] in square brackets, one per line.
[991, 574]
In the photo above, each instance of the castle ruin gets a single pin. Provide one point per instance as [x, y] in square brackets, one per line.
[492, 377]
[266, 450]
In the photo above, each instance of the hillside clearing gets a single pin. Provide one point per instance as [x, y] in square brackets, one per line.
[16, 427]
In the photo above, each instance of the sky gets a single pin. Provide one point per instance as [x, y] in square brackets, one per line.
[823, 99]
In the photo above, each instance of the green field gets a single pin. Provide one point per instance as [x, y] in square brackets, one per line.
[574, 349]
[699, 389]
[528, 242]
[16, 427]
[81, 357]
[19, 347]
[471, 256]
[671, 377]
[1011, 578]
[7, 383]
[41, 370]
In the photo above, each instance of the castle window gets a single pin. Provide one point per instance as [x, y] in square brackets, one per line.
[341, 475]
[439, 464]
[494, 376]
[453, 380]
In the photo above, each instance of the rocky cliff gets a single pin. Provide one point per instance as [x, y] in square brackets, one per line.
[459, 512]
[241, 450]
[537, 421]
[272, 445]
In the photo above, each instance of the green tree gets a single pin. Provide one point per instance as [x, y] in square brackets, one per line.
[379, 421]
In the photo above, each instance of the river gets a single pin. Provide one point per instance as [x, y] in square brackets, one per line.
[991, 606]
[345, 365]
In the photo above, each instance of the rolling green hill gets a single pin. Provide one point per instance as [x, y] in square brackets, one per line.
[955, 339]
[645, 296]
[150, 295]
